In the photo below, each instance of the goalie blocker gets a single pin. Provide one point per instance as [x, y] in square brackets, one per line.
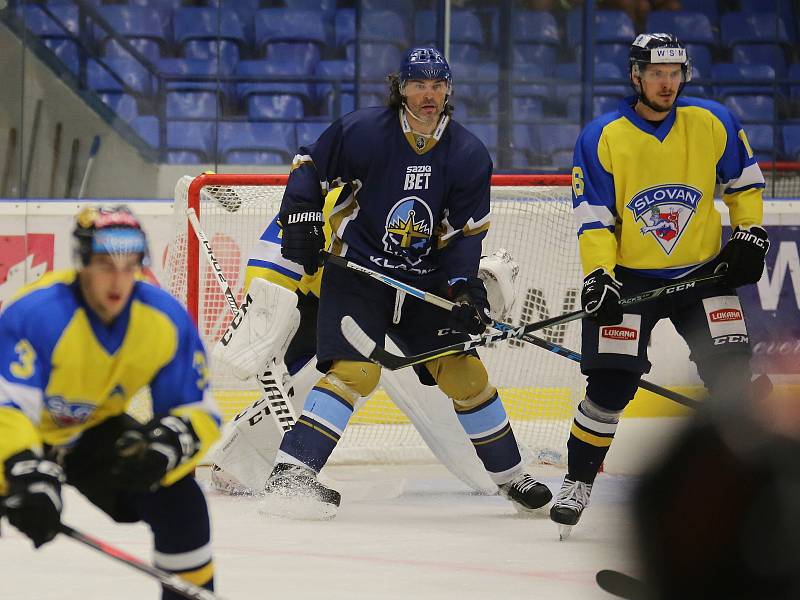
[260, 334]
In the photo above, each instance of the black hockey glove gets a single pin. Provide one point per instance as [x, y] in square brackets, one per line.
[145, 455]
[303, 238]
[744, 254]
[34, 502]
[600, 297]
[471, 313]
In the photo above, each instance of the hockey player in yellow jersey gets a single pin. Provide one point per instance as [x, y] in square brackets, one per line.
[643, 180]
[74, 348]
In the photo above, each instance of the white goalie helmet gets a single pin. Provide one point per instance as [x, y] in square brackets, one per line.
[499, 272]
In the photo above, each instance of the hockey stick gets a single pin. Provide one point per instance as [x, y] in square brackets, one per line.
[621, 585]
[281, 411]
[171, 581]
[531, 339]
[369, 348]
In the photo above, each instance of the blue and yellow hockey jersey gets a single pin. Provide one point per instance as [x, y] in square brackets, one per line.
[643, 196]
[63, 371]
[414, 207]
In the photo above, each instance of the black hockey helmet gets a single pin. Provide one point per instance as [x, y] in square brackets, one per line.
[658, 48]
[110, 230]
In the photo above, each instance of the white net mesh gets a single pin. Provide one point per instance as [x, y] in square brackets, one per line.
[539, 389]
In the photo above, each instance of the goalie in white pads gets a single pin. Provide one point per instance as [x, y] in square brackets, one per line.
[269, 331]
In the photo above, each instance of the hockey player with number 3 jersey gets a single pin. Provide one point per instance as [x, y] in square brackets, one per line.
[74, 349]
[643, 182]
[415, 206]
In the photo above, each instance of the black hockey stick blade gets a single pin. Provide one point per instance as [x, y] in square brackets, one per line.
[621, 585]
[171, 581]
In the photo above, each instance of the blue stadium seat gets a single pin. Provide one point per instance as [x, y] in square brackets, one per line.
[555, 137]
[327, 7]
[785, 9]
[485, 132]
[612, 72]
[376, 26]
[376, 61]
[708, 8]
[341, 71]
[202, 32]
[695, 89]
[309, 131]
[615, 54]
[465, 29]
[741, 27]
[145, 29]
[190, 141]
[791, 141]
[147, 128]
[527, 108]
[123, 104]
[272, 143]
[540, 54]
[759, 79]
[752, 108]
[763, 141]
[525, 81]
[403, 7]
[267, 75]
[181, 71]
[794, 73]
[476, 86]
[274, 107]
[127, 70]
[773, 55]
[192, 105]
[57, 32]
[159, 4]
[700, 57]
[691, 27]
[534, 27]
[297, 35]
[604, 104]
[611, 27]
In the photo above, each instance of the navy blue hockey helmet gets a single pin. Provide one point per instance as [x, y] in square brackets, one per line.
[658, 48]
[424, 63]
[108, 230]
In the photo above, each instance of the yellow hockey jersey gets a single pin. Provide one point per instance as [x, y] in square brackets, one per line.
[643, 196]
[63, 371]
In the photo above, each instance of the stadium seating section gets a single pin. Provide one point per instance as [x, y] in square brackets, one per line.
[276, 72]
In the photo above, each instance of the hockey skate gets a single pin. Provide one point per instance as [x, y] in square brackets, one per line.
[526, 494]
[571, 500]
[293, 492]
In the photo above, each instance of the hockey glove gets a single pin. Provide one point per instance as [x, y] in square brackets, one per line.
[146, 455]
[34, 502]
[744, 254]
[600, 298]
[471, 313]
[303, 238]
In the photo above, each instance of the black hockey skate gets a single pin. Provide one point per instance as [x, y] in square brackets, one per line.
[526, 493]
[294, 492]
[571, 500]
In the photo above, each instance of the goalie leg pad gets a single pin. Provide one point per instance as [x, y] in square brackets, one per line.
[260, 331]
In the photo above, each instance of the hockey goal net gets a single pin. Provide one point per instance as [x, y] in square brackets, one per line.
[531, 217]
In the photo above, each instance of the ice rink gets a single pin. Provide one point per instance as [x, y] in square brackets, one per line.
[402, 532]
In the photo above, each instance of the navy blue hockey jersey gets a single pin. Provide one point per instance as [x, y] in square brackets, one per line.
[414, 207]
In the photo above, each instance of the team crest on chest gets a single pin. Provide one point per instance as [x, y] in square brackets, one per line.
[408, 230]
[66, 413]
[664, 211]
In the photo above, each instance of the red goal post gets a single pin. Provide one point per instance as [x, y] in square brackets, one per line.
[531, 217]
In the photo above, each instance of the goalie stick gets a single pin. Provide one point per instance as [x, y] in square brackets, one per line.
[171, 581]
[281, 411]
[370, 349]
[531, 339]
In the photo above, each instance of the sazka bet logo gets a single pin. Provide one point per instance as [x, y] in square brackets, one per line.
[408, 230]
[664, 211]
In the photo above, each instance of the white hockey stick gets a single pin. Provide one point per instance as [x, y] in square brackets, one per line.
[281, 411]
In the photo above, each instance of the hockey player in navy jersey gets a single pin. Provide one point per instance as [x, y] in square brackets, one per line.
[74, 349]
[415, 206]
[643, 185]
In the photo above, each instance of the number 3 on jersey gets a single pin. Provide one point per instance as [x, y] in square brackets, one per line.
[577, 181]
[26, 365]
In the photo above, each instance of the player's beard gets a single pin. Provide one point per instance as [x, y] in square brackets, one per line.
[659, 104]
